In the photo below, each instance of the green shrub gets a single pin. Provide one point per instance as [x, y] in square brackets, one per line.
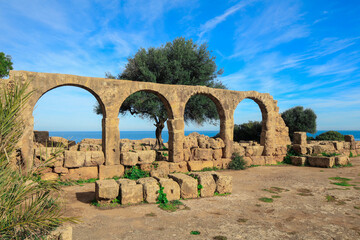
[250, 131]
[237, 162]
[330, 136]
[135, 173]
[162, 199]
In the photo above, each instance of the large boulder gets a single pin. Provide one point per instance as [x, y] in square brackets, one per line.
[207, 182]
[129, 158]
[74, 159]
[178, 167]
[298, 161]
[203, 153]
[147, 156]
[342, 160]
[110, 171]
[199, 165]
[150, 189]
[106, 190]
[188, 185]
[81, 173]
[319, 161]
[171, 188]
[160, 169]
[94, 158]
[223, 183]
[131, 194]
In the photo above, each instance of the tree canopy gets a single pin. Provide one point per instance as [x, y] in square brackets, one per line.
[250, 131]
[5, 65]
[178, 62]
[298, 119]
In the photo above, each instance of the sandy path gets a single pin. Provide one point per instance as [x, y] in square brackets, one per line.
[238, 216]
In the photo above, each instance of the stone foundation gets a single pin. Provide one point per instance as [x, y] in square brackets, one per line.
[176, 186]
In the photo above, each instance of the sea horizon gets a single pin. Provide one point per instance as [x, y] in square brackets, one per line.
[77, 136]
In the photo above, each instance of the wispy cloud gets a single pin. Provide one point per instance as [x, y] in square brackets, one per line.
[278, 23]
[212, 23]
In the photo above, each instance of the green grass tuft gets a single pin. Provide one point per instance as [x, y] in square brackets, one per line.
[267, 200]
[195, 233]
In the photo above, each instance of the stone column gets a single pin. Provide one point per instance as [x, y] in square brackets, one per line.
[27, 143]
[227, 134]
[269, 135]
[111, 140]
[176, 139]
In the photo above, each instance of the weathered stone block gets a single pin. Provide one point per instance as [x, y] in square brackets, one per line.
[188, 185]
[203, 153]
[223, 183]
[299, 149]
[341, 160]
[298, 161]
[350, 139]
[171, 188]
[160, 169]
[94, 158]
[106, 190]
[206, 180]
[248, 161]
[249, 151]
[339, 146]
[238, 149]
[214, 143]
[300, 138]
[258, 160]
[110, 171]
[131, 194]
[74, 159]
[150, 189]
[147, 156]
[187, 154]
[258, 150]
[50, 176]
[318, 161]
[178, 167]
[217, 153]
[129, 158]
[199, 165]
[81, 173]
[125, 181]
[61, 170]
[226, 162]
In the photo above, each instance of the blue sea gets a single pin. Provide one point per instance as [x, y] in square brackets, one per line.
[133, 135]
[137, 135]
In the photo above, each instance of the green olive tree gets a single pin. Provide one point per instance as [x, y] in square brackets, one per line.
[5, 65]
[178, 62]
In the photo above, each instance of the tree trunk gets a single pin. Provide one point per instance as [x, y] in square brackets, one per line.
[159, 127]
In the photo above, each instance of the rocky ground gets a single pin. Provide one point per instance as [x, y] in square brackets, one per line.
[305, 206]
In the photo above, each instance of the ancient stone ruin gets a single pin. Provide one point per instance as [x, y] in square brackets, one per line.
[111, 155]
[323, 153]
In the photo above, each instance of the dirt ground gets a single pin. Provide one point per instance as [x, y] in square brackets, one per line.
[302, 210]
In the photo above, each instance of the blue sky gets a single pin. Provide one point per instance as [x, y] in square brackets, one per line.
[301, 52]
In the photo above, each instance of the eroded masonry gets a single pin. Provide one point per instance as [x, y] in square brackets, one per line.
[182, 151]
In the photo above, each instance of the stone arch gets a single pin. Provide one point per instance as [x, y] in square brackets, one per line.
[264, 113]
[169, 111]
[220, 110]
[38, 94]
[162, 98]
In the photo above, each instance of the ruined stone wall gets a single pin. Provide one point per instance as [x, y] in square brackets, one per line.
[112, 93]
[304, 147]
